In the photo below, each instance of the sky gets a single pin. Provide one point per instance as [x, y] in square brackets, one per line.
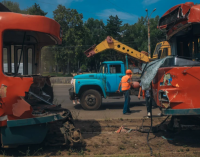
[127, 10]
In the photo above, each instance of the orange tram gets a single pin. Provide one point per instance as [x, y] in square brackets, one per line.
[26, 108]
[177, 82]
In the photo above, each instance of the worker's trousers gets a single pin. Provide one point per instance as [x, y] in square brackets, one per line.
[148, 105]
[126, 102]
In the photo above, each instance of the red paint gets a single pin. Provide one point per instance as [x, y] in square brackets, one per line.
[17, 86]
[109, 40]
[190, 12]
[194, 15]
[184, 91]
[90, 52]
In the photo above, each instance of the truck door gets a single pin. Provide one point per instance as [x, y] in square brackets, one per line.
[113, 77]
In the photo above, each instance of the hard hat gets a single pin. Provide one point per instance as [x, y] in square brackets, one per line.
[128, 71]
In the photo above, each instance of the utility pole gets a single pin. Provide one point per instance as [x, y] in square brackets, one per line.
[149, 44]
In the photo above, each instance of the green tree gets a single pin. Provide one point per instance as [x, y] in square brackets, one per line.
[94, 34]
[113, 28]
[12, 6]
[136, 35]
[73, 34]
[35, 10]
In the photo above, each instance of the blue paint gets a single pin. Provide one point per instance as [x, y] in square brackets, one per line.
[108, 80]
[33, 121]
[180, 112]
[126, 62]
[29, 134]
[27, 131]
[170, 80]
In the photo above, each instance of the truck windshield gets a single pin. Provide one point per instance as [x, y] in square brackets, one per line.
[103, 68]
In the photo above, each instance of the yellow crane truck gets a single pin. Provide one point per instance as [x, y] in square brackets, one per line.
[162, 50]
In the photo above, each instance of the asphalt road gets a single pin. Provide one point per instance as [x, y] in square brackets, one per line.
[110, 109]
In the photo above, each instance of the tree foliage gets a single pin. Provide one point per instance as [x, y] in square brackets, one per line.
[33, 10]
[73, 34]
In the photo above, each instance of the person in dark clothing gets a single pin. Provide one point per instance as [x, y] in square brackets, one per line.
[147, 99]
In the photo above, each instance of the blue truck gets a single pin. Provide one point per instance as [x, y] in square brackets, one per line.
[92, 87]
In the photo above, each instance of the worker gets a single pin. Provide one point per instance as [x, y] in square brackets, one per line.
[146, 94]
[125, 85]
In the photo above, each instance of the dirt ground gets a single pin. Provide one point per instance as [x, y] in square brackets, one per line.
[100, 139]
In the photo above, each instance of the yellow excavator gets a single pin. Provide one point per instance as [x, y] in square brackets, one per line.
[162, 50]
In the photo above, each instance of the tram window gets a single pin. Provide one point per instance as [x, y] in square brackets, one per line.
[12, 59]
[21, 62]
[198, 45]
[5, 60]
[165, 53]
[30, 61]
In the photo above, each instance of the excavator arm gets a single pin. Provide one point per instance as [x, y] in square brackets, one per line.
[110, 43]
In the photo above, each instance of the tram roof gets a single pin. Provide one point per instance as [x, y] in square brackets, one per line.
[24, 22]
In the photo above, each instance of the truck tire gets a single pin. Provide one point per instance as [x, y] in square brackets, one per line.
[91, 100]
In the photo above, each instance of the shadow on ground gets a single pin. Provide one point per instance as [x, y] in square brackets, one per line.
[187, 137]
[113, 105]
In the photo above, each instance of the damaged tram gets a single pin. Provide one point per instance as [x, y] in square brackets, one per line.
[26, 97]
[177, 82]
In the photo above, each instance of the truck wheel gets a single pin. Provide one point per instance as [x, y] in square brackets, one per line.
[91, 100]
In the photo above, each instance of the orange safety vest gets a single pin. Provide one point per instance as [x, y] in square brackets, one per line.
[125, 84]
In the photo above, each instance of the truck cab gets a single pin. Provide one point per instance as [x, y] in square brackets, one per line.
[92, 87]
[162, 50]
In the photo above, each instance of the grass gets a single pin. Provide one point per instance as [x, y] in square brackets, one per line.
[27, 153]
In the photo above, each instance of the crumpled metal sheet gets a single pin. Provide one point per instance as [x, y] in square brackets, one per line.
[149, 71]
[22, 109]
[3, 91]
